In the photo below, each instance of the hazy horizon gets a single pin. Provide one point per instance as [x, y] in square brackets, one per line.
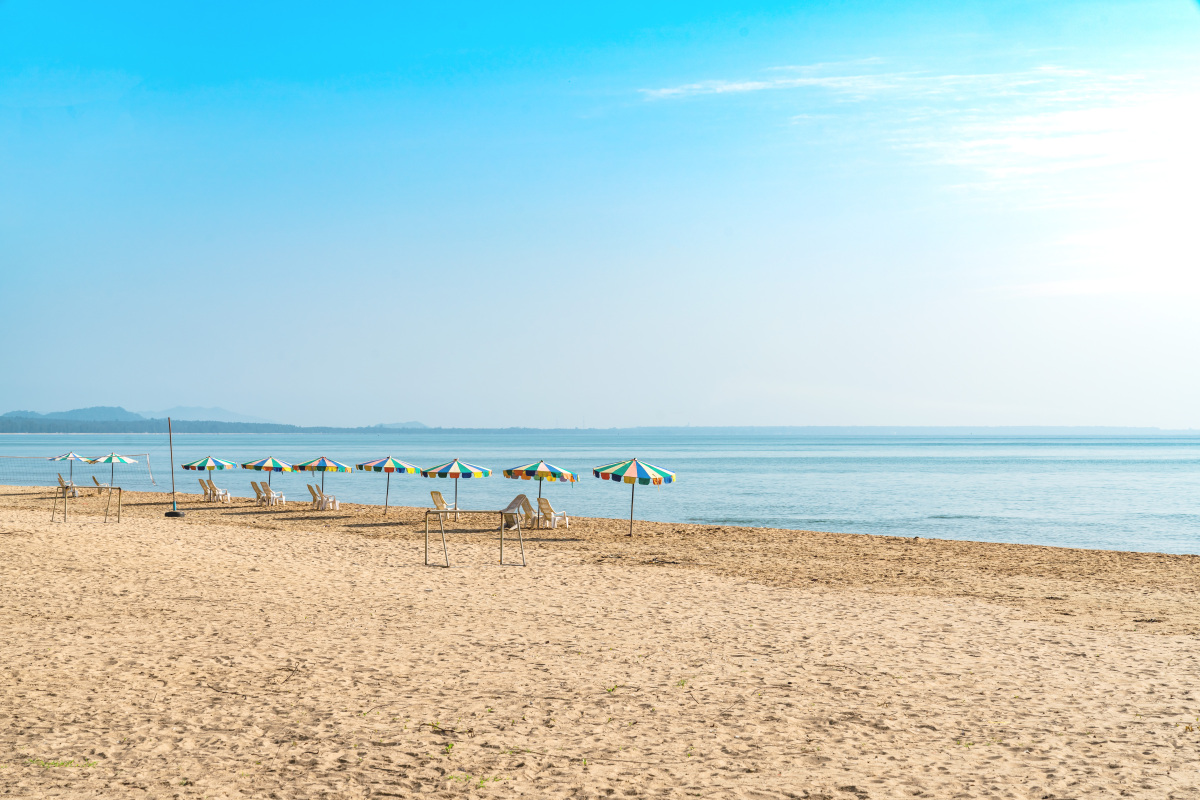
[416, 425]
[807, 214]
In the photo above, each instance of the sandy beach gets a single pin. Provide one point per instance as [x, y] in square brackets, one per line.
[292, 653]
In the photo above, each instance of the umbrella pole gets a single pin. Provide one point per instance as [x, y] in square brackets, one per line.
[112, 475]
[386, 490]
[540, 482]
[322, 481]
[632, 490]
[456, 499]
[71, 478]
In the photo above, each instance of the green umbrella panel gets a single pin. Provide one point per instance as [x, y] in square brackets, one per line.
[113, 459]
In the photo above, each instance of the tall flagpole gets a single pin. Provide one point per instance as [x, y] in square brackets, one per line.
[174, 512]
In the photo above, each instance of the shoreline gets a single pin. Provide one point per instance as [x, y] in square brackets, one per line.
[241, 652]
[195, 502]
[782, 556]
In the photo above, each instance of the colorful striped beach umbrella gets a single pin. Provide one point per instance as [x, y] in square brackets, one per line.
[113, 459]
[210, 463]
[541, 471]
[322, 465]
[388, 465]
[456, 469]
[268, 465]
[634, 472]
[71, 457]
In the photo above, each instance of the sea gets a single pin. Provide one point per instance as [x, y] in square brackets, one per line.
[1121, 492]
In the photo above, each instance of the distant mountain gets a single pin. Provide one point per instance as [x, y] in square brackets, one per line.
[113, 419]
[92, 414]
[199, 414]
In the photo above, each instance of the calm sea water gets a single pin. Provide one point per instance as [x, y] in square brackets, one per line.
[1122, 493]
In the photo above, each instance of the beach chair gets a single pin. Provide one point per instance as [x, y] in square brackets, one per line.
[531, 517]
[260, 499]
[207, 492]
[274, 498]
[550, 516]
[67, 486]
[100, 487]
[219, 495]
[316, 497]
[328, 501]
[510, 517]
[440, 503]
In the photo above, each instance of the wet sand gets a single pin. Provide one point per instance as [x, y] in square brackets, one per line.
[243, 652]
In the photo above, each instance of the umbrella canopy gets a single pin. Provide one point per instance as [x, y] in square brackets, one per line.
[634, 472]
[541, 471]
[71, 457]
[210, 463]
[322, 465]
[114, 459]
[268, 465]
[456, 469]
[388, 465]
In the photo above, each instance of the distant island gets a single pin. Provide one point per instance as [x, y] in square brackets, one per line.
[114, 419]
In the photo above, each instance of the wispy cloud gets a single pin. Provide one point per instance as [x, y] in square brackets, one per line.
[793, 77]
[850, 78]
[861, 84]
[1000, 127]
[1046, 137]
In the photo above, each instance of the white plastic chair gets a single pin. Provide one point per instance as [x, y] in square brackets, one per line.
[328, 501]
[273, 497]
[550, 515]
[219, 495]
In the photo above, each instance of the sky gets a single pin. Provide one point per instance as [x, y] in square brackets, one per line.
[702, 213]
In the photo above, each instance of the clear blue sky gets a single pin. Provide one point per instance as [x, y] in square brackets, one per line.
[705, 213]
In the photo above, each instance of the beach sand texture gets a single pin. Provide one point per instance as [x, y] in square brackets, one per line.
[293, 653]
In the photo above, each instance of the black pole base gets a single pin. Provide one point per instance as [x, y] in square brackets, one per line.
[175, 513]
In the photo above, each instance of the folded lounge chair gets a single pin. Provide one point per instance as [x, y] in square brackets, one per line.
[99, 486]
[316, 503]
[551, 517]
[260, 499]
[510, 517]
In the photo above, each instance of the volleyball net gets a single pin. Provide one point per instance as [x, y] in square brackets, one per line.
[42, 471]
